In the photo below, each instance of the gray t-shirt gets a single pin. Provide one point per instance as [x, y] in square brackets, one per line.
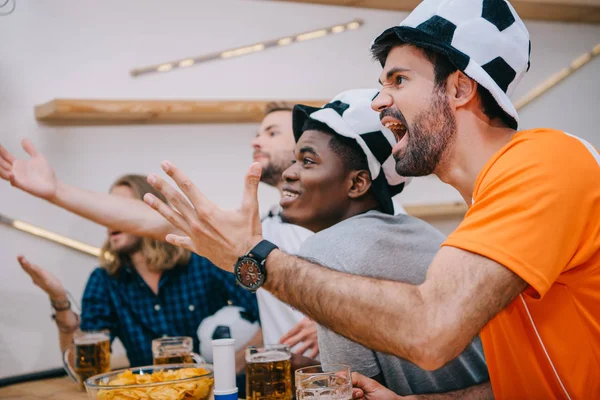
[392, 247]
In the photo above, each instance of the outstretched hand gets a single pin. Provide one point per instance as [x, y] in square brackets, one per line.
[34, 176]
[43, 279]
[220, 235]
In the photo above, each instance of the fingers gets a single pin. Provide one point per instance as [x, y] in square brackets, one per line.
[184, 242]
[314, 351]
[250, 199]
[198, 200]
[294, 340]
[303, 346]
[31, 269]
[174, 198]
[292, 332]
[29, 147]
[357, 394]
[5, 155]
[167, 212]
[5, 169]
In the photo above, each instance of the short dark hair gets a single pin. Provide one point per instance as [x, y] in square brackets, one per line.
[352, 155]
[442, 69]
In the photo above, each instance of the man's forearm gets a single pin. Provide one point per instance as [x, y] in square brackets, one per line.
[384, 316]
[116, 212]
[482, 391]
[69, 321]
[240, 355]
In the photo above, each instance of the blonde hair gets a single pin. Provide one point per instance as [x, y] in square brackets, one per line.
[158, 254]
[278, 106]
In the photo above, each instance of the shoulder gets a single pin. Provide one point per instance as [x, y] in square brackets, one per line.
[542, 156]
[99, 275]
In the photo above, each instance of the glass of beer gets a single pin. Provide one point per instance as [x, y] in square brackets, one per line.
[88, 355]
[175, 350]
[268, 372]
[325, 382]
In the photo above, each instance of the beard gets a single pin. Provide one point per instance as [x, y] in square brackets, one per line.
[129, 249]
[271, 173]
[429, 137]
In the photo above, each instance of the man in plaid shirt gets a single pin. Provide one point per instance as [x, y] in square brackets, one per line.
[145, 289]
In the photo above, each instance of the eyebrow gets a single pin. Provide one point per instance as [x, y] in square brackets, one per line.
[308, 149]
[268, 128]
[393, 72]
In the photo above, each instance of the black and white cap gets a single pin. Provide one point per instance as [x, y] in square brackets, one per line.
[350, 114]
[485, 39]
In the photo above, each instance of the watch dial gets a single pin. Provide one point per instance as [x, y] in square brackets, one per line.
[248, 273]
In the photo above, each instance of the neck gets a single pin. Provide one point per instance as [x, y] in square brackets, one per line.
[355, 208]
[475, 143]
[141, 265]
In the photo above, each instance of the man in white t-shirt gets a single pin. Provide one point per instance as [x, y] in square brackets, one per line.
[273, 148]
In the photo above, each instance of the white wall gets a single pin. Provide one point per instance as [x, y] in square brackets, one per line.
[78, 49]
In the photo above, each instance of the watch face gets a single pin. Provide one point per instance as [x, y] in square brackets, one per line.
[248, 273]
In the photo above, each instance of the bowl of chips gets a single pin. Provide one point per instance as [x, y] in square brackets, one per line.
[155, 382]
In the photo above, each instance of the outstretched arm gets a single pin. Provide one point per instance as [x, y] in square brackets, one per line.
[429, 324]
[36, 176]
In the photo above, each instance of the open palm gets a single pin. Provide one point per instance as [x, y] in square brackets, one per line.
[34, 175]
[43, 279]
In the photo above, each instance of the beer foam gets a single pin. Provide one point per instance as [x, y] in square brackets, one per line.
[269, 356]
[91, 338]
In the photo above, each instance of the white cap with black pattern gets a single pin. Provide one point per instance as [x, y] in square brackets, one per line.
[350, 114]
[485, 39]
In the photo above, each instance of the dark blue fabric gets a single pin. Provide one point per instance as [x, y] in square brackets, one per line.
[187, 294]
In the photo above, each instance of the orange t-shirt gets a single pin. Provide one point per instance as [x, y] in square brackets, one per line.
[536, 211]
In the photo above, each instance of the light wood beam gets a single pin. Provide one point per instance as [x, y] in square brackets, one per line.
[586, 11]
[113, 112]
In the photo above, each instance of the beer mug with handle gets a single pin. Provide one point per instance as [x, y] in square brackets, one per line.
[268, 372]
[325, 382]
[175, 350]
[88, 355]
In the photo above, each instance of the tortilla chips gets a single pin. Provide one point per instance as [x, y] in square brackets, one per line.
[194, 389]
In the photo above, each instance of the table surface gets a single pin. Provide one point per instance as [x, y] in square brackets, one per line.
[52, 389]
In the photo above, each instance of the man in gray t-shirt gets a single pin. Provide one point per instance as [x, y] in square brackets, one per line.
[391, 247]
[341, 187]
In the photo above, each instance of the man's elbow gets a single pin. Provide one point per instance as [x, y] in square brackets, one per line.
[433, 351]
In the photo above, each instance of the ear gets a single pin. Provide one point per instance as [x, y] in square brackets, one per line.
[360, 183]
[461, 89]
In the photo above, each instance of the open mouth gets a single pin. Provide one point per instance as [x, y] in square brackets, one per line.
[289, 194]
[115, 233]
[397, 127]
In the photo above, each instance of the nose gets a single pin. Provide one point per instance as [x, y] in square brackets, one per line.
[382, 101]
[256, 143]
[291, 173]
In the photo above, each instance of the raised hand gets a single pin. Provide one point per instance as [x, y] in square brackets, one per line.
[43, 279]
[34, 176]
[305, 334]
[219, 235]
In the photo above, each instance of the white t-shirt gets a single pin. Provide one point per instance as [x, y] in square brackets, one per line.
[276, 317]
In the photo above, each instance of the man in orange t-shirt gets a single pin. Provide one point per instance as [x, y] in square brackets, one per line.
[523, 267]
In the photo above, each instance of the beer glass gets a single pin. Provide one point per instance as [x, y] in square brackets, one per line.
[175, 350]
[325, 382]
[88, 355]
[268, 372]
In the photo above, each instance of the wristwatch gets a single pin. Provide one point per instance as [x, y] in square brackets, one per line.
[249, 270]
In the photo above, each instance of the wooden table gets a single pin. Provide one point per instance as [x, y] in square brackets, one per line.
[52, 389]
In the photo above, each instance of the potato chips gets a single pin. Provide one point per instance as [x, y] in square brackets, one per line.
[193, 389]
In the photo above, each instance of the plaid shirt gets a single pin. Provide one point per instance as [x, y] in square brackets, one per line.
[187, 294]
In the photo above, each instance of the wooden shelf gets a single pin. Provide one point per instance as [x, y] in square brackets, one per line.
[443, 210]
[116, 112]
[587, 11]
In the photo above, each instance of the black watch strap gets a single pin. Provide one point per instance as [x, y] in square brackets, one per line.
[262, 250]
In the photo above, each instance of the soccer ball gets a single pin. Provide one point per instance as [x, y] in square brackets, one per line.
[228, 322]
